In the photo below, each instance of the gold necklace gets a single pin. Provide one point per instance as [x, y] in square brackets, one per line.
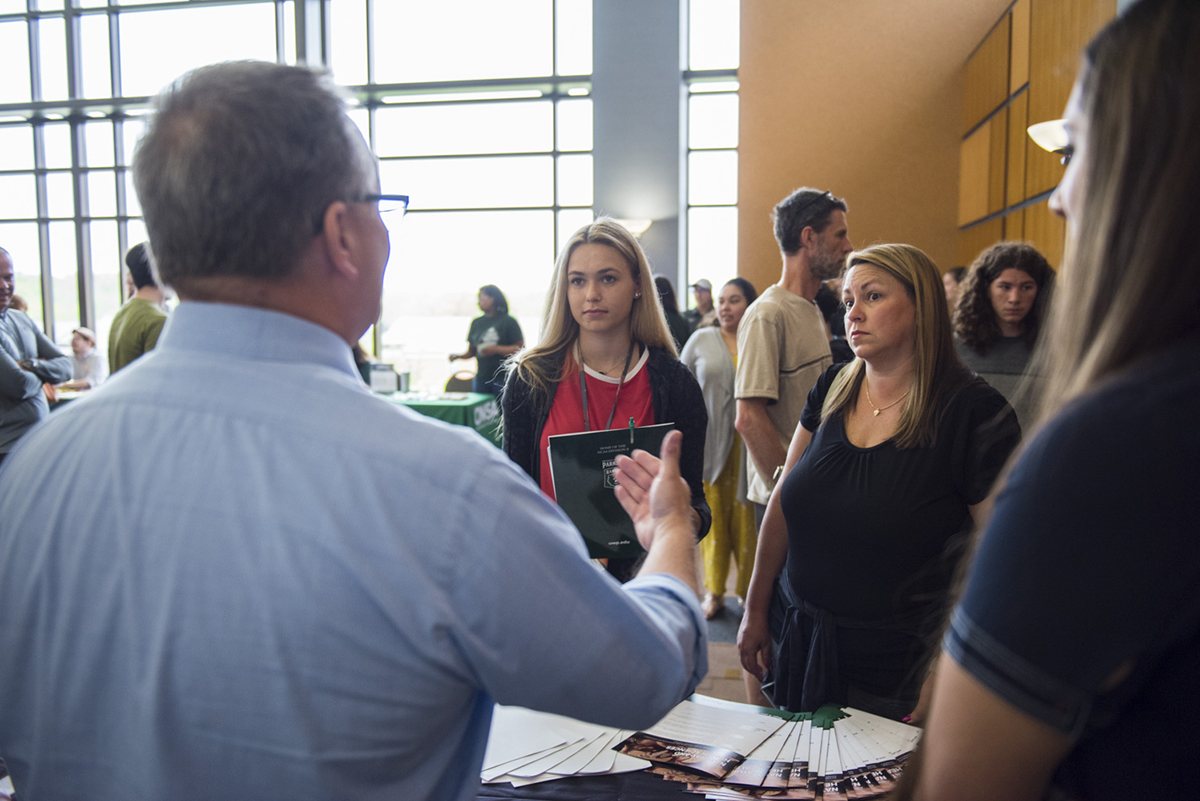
[885, 408]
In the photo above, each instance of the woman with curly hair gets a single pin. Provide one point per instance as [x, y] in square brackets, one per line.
[1000, 313]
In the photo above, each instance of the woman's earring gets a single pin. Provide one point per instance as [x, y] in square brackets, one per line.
[637, 295]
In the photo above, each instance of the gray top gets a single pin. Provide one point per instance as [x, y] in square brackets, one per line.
[21, 400]
[1009, 356]
[707, 357]
[1004, 368]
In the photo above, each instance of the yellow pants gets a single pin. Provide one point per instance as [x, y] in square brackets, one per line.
[732, 529]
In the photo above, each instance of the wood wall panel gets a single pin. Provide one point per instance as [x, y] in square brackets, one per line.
[1018, 70]
[987, 76]
[908, 68]
[1059, 31]
[997, 153]
[1046, 231]
[1018, 142]
[972, 241]
[1014, 225]
[974, 171]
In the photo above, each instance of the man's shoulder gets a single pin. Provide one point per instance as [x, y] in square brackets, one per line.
[144, 308]
[23, 321]
[775, 301]
[138, 310]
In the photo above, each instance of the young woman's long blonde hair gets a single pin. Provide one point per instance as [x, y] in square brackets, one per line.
[540, 365]
[939, 373]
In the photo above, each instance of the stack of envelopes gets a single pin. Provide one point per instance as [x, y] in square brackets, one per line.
[527, 747]
[722, 749]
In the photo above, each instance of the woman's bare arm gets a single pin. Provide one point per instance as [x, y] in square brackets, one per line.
[978, 746]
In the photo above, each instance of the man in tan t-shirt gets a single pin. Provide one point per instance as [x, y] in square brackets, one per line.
[783, 346]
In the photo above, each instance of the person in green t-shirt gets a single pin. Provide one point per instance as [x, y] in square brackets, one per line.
[138, 323]
[493, 337]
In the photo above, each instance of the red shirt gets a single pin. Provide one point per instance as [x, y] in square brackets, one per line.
[566, 412]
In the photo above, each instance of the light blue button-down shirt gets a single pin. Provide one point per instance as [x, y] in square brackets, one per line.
[232, 572]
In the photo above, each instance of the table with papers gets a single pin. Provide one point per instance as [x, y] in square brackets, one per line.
[705, 746]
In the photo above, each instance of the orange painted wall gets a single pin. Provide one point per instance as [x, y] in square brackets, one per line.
[862, 97]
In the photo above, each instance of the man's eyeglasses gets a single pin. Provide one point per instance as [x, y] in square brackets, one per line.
[392, 205]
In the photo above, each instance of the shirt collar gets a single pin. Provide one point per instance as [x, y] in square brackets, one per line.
[246, 332]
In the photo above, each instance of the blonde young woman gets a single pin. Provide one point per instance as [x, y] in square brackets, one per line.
[857, 549]
[711, 355]
[605, 356]
[1070, 667]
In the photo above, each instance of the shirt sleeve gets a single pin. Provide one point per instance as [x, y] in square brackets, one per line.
[810, 418]
[53, 366]
[758, 357]
[1090, 563]
[547, 630]
[691, 418]
[16, 383]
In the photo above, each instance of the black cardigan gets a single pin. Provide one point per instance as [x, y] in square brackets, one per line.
[676, 398]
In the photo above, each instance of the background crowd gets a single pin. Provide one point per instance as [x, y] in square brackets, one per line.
[980, 518]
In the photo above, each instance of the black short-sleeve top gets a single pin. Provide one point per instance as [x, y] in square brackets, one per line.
[871, 531]
[1090, 566]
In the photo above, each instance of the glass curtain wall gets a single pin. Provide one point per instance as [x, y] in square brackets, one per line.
[77, 74]
[480, 111]
[712, 140]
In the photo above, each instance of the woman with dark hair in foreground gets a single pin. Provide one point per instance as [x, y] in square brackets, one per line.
[1074, 652]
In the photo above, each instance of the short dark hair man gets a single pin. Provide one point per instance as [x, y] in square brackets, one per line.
[27, 360]
[280, 585]
[782, 343]
[137, 325]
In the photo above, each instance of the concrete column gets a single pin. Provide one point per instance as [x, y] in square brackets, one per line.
[638, 144]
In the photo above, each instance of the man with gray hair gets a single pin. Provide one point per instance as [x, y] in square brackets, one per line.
[782, 344]
[275, 584]
[27, 360]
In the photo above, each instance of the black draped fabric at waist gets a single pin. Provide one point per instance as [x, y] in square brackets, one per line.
[820, 658]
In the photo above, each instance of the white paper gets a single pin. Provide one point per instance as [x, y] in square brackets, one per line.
[543, 765]
[715, 727]
[583, 757]
[605, 760]
[516, 732]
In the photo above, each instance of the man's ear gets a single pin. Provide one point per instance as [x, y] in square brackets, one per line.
[339, 236]
[808, 237]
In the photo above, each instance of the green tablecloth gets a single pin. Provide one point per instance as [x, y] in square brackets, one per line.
[471, 409]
